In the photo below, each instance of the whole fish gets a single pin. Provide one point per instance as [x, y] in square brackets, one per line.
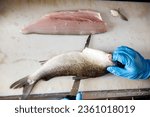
[68, 22]
[89, 63]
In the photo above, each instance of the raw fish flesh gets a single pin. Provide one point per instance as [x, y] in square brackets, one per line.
[68, 22]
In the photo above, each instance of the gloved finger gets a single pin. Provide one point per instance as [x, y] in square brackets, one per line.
[123, 48]
[116, 70]
[122, 58]
[128, 57]
[126, 50]
[121, 72]
[79, 96]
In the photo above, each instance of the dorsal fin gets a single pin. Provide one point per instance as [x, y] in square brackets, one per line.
[87, 41]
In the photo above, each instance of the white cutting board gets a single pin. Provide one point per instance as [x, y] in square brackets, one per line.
[19, 54]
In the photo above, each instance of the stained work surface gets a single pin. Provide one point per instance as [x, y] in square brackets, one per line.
[19, 54]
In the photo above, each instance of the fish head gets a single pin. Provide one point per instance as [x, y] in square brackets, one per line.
[99, 57]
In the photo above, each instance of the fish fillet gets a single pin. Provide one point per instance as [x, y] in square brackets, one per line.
[68, 22]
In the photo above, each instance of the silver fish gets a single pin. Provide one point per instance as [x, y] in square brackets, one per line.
[89, 63]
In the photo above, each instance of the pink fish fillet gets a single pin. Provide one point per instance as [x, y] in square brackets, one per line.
[68, 22]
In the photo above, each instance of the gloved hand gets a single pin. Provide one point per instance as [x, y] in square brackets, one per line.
[136, 67]
[78, 97]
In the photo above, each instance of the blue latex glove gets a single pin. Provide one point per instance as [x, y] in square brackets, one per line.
[136, 67]
[78, 97]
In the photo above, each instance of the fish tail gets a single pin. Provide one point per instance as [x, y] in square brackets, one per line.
[27, 87]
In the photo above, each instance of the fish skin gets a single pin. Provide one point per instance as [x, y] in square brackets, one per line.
[89, 63]
[68, 22]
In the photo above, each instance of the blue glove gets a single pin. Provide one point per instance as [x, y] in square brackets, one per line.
[136, 67]
[78, 97]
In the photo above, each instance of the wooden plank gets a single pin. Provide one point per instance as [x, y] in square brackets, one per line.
[90, 95]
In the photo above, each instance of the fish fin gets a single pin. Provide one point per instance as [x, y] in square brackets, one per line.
[23, 83]
[20, 83]
[88, 41]
[26, 91]
[43, 62]
[122, 15]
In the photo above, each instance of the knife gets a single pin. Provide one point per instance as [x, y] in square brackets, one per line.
[74, 90]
